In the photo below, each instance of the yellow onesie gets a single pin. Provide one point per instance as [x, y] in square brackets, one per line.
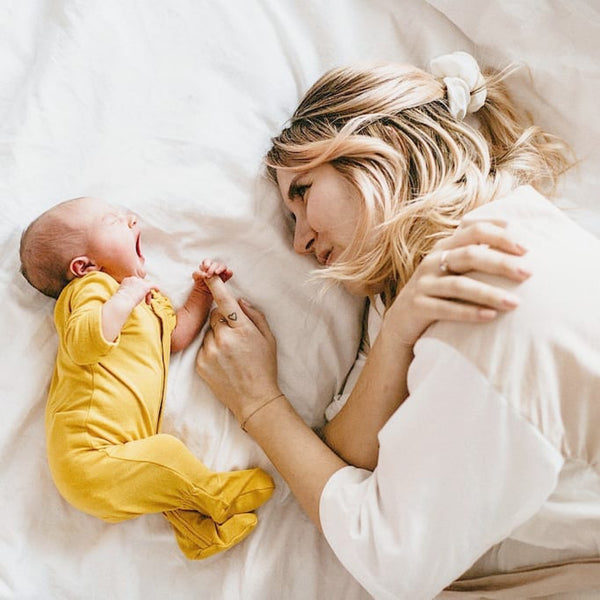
[102, 421]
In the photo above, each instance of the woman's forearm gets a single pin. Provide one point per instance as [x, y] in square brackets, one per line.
[303, 460]
[239, 363]
[379, 391]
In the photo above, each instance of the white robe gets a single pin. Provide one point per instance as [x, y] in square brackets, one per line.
[492, 465]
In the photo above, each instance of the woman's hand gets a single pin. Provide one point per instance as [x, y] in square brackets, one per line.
[238, 361]
[439, 289]
[238, 357]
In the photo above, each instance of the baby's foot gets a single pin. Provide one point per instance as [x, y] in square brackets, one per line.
[199, 536]
[240, 492]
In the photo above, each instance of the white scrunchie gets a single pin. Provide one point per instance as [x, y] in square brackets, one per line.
[460, 72]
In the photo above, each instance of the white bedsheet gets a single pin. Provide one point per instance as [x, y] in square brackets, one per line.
[168, 108]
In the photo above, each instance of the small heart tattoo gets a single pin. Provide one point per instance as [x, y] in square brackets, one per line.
[232, 316]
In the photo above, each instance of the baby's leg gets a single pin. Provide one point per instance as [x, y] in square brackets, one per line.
[159, 473]
[209, 511]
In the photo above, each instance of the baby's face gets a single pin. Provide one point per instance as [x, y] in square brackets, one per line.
[113, 238]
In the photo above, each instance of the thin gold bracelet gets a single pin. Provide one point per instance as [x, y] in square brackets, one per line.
[243, 423]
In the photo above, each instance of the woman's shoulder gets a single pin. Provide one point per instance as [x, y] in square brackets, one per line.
[548, 344]
[539, 220]
[521, 202]
[560, 289]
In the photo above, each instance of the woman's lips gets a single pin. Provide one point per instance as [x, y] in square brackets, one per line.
[324, 257]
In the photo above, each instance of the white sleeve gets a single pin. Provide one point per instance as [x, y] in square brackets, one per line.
[458, 470]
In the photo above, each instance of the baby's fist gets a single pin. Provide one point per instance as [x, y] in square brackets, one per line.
[136, 289]
[207, 269]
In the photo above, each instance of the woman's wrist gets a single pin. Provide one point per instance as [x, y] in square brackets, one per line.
[252, 411]
[400, 330]
[303, 460]
[254, 419]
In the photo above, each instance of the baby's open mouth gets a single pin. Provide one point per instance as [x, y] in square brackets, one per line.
[138, 246]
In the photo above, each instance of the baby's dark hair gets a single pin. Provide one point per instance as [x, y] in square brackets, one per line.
[47, 246]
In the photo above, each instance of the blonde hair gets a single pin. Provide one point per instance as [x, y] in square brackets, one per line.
[47, 247]
[387, 130]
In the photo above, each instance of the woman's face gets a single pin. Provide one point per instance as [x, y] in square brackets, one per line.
[325, 209]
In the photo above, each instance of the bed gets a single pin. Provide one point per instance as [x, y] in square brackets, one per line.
[167, 108]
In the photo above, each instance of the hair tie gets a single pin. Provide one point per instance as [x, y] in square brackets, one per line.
[461, 75]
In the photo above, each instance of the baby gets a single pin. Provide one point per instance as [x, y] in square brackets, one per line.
[116, 332]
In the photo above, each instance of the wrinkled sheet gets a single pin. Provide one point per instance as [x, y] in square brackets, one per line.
[168, 108]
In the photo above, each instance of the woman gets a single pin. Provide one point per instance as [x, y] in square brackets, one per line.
[496, 445]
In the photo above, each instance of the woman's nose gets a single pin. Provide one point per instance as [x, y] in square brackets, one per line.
[132, 220]
[304, 238]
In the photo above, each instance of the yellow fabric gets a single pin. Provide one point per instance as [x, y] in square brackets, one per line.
[102, 422]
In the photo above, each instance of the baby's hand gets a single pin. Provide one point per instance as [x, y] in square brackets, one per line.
[208, 269]
[136, 289]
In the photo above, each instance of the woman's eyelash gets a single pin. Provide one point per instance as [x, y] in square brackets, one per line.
[298, 191]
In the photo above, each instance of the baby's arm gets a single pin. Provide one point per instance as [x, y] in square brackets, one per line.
[116, 310]
[192, 315]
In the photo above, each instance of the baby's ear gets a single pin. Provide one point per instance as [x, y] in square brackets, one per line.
[82, 265]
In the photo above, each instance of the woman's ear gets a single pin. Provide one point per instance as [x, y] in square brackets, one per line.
[82, 265]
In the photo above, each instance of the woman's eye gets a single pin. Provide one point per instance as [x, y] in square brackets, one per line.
[299, 191]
